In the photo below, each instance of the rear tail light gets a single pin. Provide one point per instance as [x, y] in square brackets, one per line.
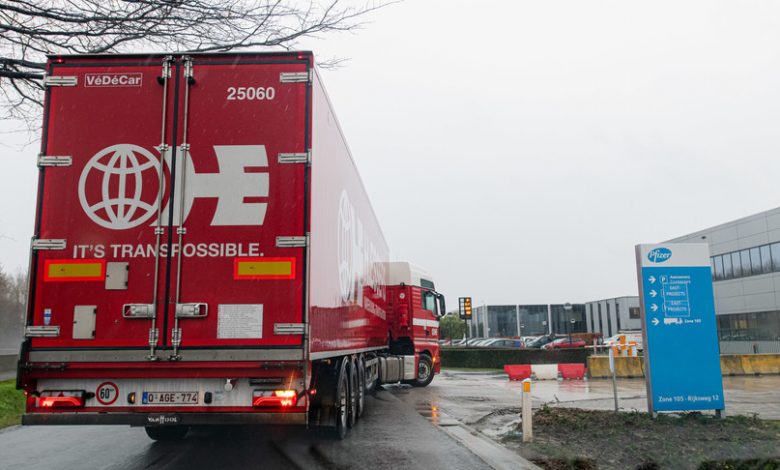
[274, 398]
[61, 399]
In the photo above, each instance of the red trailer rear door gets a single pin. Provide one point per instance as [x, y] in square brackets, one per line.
[99, 190]
[237, 276]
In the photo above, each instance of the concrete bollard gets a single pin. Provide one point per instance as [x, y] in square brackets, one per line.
[527, 412]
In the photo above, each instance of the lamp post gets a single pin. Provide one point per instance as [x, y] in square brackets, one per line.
[573, 321]
[567, 309]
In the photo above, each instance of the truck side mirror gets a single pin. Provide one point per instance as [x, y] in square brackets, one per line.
[442, 308]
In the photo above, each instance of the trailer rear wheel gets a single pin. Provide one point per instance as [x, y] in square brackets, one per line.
[361, 386]
[353, 393]
[167, 433]
[341, 402]
[424, 371]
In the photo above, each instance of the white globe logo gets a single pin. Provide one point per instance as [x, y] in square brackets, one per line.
[116, 209]
[345, 247]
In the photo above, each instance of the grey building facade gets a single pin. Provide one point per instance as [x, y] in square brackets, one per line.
[493, 321]
[745, 260]
[611, 316]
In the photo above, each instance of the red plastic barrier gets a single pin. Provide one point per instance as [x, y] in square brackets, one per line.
[572, 371]
[517, 371]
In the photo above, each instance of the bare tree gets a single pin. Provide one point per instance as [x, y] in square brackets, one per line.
[13, 293]
[31, 29]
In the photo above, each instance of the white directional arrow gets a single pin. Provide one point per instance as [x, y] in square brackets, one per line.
[654, 307]
[653, 293]
[651, 279]
[655, 321]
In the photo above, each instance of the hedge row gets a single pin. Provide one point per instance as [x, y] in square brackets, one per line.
[486, 358]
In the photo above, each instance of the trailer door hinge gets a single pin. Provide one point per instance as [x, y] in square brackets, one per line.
[297, 77]
[48, 244]
[61, 80]
[51, 160]
[289, 328]
[292, 242]
[295, 157]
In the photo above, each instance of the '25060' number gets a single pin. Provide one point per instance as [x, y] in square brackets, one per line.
[250, 93]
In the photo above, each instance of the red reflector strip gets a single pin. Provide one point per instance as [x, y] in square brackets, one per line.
[67, 270]
[264, 268]
[61, 402]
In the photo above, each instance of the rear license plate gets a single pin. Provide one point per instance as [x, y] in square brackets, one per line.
[170, 398]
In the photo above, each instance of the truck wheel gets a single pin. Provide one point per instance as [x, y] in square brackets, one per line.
[424, 371]
[361, 386]
[353, 393]
[167, 433]
[372, 386]
[341, 403]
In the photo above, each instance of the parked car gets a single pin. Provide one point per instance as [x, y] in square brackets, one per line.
[504, 343]
[564, 343]
[529, 339]
[473, 341]
[540, 341]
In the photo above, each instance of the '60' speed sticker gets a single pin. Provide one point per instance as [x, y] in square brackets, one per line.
[107, 393]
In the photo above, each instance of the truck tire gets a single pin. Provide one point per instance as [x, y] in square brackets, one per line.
[361, 386]
[424, 371]
[373, 385]
[353, 393]
[167, 433]
[341, 402]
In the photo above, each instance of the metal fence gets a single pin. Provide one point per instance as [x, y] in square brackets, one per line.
[750, 347]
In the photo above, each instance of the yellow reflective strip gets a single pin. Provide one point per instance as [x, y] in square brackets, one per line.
[264, 268]
[66, 270]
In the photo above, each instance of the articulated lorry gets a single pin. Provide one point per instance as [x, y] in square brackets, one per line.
[204, 252]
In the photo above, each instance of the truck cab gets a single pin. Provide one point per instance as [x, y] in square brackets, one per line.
[413, 318]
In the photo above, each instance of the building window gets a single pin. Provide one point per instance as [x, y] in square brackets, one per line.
[757, 326]
[755, 260]
[766, 259]
[744, 255]
[600, 324]
[590, 314]
[728, 273]
[609, 321]
[633, 312]
[617, 315]
[775, 248]
[718, 268]
[735, 260]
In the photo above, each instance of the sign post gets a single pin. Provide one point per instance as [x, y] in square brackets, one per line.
[614, 376]
[681, 354]
[464, 310]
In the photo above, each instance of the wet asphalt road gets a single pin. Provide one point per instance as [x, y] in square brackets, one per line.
[392, 434]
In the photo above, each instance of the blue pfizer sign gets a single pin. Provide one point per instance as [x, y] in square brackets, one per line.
[659, 255]
[681, 353]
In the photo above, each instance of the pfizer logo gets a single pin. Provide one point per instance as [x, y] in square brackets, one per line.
[119, 187]
[659, 255]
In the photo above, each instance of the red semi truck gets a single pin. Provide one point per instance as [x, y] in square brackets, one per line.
[205, 252]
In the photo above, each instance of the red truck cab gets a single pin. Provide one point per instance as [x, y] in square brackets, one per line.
[413, 323]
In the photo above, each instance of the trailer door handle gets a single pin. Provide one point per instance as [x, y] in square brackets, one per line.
[193, 310]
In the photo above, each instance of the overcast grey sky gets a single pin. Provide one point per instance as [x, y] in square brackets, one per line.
[519, 150]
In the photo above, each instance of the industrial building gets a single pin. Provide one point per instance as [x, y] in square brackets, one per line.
[612, 316]
[745, 257]
[490, 321]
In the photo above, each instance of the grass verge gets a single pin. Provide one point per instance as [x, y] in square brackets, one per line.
[11, 404]
[566, 438]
